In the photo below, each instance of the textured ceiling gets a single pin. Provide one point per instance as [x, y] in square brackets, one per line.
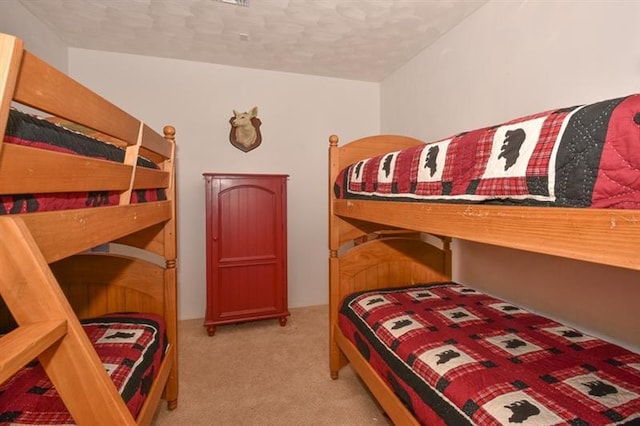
[353, 39]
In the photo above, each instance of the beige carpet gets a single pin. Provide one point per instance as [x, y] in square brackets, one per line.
[260, 373]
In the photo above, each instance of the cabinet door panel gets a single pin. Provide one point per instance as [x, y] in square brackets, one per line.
[248, 222]
[247, 290]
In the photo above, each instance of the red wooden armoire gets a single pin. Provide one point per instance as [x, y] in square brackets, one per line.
[246, 248]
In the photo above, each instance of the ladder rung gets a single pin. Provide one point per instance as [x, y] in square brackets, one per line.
[25, 343]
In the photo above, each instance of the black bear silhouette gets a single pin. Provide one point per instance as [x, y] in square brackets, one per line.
[571, 333]
[430, 161]
[514, 343]
[599, 388]
[401, 323]
[457, 315]
[521, 411]
[97, 198]
[376, 300]
[446, 356]
[509, 308]
[142, 195]
[18, 202]
[358, 170]
[38, 390]
[510, 149]
[120, 335]
[386, 166]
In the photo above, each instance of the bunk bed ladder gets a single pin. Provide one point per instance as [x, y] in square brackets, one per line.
[49, 329]
[27, 342]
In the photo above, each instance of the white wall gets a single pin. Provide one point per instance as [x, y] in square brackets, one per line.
[38, 38]
[298, 114]
[510, 59]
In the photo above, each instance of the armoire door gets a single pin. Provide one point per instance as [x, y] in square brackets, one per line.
[246, 248]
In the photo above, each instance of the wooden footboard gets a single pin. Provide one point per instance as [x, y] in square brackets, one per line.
[365, 255]
[99, 283]
[390, 259]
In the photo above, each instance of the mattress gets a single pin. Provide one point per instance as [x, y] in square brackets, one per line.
[580, 156]
[29, 130]
[131, 347]
[456, 356]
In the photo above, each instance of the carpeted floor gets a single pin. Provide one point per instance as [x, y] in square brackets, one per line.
[260, 373]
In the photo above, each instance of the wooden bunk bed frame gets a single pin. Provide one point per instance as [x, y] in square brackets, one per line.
[391, 259]
[49, 279]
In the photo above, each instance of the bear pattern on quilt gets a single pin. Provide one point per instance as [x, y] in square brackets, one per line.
[581, 156]
[458, 356]
[131, 347]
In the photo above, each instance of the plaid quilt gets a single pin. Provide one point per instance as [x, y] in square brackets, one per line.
[131, 347]
[581, 156]
[28, 130]
[456, 356]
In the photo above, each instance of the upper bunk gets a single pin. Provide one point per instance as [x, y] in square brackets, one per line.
[27, 170]
[576, 195]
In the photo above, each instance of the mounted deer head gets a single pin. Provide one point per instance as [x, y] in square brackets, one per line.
[245, 130]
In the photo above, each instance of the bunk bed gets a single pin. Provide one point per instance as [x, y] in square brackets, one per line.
[88, 253]
[394, 208]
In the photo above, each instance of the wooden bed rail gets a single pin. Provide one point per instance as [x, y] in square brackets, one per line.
[574, 233]
[39, 86]
[89, 228]
[544, 230]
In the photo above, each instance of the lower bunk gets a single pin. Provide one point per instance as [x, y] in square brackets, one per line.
[453, 355]
[131, 347]
[124, 306]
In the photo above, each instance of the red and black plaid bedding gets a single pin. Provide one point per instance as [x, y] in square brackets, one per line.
[29, 130]
[581, 156]
[131, 347]
[456, 356]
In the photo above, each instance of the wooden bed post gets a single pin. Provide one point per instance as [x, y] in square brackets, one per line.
[366, 254]
[337, 359]
[171, 280]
